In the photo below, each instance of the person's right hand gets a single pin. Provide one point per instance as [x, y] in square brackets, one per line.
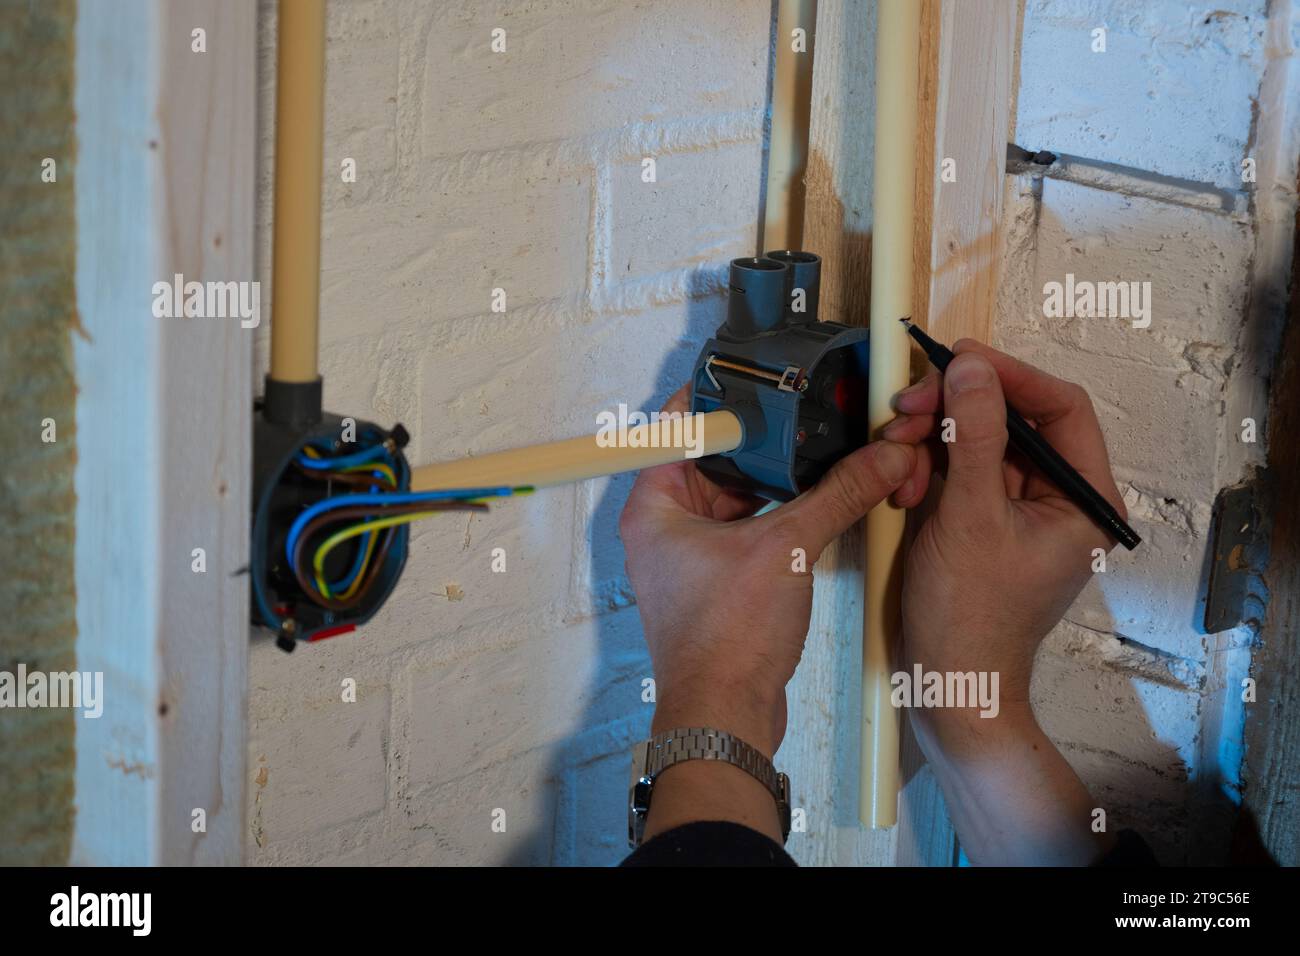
[990, 572]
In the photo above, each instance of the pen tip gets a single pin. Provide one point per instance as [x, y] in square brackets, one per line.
[907, 321]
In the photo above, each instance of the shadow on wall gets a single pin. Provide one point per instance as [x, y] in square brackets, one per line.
[1158, 781]
[1181, 807]
[1171, 706]
[589, 770]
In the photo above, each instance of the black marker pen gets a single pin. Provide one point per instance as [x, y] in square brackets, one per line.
[1045, 458]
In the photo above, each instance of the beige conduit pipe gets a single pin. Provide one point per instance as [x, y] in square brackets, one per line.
[299, 132]
[898, 40]
[577, 459]
[787, 155]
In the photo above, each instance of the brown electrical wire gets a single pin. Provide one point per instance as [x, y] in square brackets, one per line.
[357, 479]
[381, 552]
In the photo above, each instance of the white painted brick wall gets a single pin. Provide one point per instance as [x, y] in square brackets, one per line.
[521, 171]
[1171, 93]
[1129, 685]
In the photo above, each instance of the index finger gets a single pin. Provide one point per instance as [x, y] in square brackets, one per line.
[1062, 411]
[679, 401]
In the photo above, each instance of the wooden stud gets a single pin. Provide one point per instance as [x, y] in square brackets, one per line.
[821, 755]
[165, 184]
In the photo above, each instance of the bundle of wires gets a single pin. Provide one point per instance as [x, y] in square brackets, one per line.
[373, 517]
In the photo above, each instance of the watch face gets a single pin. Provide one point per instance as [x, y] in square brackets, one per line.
[638, 807]
[783, 805]
[638, 795]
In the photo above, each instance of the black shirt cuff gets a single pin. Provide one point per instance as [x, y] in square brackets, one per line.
[721, 843]
[710, 843]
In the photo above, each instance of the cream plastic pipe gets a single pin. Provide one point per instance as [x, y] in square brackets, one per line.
[787, 157]
[898, 39]
[299, 128]
[577, 459]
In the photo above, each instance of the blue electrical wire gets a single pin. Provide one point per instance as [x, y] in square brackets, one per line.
[378, 450]
[363, 457]
[387, 498]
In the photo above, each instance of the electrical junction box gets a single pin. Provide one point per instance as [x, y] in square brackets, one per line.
[798, 385]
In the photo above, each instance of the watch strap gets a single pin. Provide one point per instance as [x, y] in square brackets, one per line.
[679, 745]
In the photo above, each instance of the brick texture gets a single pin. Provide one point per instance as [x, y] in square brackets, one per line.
[1130, 686]
[521, 171]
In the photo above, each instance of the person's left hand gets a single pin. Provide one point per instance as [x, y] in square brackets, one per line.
[725, 596]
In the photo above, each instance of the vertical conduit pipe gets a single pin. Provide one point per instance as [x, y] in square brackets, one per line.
[898, 39]
[787, 155]
[299, 144]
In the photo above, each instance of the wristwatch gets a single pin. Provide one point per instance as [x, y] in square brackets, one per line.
[654, 756]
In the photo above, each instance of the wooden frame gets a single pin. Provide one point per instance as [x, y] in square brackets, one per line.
[967, 91]
[165, 185]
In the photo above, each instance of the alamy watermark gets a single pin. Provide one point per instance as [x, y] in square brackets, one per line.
[208, 300]
[72, 689]
[629, 429]
[1086, 299]
[129, 910]
[924, 689]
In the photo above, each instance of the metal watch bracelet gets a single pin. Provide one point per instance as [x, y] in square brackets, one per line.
[654, 756]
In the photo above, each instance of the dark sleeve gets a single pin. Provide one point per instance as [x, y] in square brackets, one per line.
[710, 843]
[1130, 850]
[717, 843]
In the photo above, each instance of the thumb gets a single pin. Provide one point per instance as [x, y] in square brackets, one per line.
[856, 484]
[973, 399]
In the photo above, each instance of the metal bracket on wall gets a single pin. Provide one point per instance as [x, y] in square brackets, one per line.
[1239, 548]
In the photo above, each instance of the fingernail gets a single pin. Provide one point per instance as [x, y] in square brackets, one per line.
[892, 463]
[967, 373]
[906, 491]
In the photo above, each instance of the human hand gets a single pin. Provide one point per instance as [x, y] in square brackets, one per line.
[989, 574]
[725, 600]
[724, 595]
